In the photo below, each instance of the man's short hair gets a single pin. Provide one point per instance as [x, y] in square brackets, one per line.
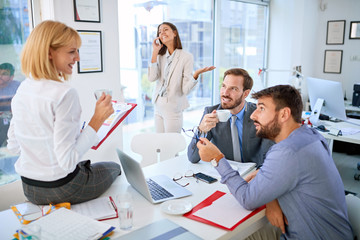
[9, 67]
[248, 81]
[283, 96]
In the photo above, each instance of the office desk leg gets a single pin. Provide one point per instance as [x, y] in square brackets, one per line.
[330, 144]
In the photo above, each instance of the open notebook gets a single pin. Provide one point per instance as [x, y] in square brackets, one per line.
[67, 224]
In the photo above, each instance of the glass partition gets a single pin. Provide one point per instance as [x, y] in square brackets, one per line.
[14, 28]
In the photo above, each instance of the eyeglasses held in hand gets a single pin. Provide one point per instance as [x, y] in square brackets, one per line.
[191, 133]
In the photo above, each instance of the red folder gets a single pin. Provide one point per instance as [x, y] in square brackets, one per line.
[208, 201]
[133, 105]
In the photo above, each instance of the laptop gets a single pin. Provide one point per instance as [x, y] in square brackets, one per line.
[156, 189]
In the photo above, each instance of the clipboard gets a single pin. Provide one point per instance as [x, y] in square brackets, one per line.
[133, 105]
[207, 202]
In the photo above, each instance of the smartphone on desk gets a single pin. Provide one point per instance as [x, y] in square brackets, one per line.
[204, 177]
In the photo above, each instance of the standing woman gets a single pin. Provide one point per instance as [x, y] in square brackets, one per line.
[171, 67]
[45, 128]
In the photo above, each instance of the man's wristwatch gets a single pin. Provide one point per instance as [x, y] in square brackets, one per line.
[215, 161]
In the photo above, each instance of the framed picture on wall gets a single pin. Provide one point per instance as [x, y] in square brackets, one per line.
[354, 30]
[335, 32]
[332, 61]
[90, 52]
[87, 10]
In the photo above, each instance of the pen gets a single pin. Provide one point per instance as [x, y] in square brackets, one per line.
[83, 125]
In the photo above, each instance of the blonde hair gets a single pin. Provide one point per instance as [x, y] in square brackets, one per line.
[35, 54]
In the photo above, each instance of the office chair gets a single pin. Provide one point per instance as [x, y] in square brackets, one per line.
[353, 207]
[155, 147]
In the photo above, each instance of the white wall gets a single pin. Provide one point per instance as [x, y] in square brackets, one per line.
[348, 10]
[297, 36]
[86, 83]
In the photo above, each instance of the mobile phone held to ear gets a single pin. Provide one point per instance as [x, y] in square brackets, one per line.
[204, 177]
[158, 42]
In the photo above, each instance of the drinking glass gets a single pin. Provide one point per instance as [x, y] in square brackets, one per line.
[124, 204]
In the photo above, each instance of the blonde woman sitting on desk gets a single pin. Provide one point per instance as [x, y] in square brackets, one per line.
[171, 67]
[45, 128]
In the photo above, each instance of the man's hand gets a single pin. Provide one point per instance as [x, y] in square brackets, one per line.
[275, 215]
[208, 122]
[251, 176]
[207, 150]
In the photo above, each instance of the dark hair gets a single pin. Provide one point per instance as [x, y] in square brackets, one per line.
[283, 96]
[9, 67]
[248, 81]
[177, 41]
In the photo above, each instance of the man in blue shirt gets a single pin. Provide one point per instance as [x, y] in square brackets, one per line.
[298, 170]
[8, 85]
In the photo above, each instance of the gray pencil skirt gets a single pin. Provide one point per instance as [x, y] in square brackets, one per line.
[90, 182]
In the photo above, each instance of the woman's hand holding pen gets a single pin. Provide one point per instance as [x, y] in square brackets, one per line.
[103, 110]
[202, 70]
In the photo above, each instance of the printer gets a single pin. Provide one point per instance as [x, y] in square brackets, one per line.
[356, 95]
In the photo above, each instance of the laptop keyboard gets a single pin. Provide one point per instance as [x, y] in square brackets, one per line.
[157, 192]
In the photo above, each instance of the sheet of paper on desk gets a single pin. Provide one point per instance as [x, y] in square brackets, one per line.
[242, 168]
[225, 211]
[27, 208]
[349, 131]
[119, 111]
[98, 208]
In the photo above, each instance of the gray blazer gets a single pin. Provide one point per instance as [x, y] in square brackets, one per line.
[253, 147]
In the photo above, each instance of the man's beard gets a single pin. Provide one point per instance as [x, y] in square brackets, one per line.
[269, 131]
[234, 105]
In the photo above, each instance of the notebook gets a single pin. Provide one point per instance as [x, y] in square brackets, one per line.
[135, 177]
[66, 224]
[102, 208]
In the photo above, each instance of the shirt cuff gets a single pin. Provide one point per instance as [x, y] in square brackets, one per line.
[200, 134]
[87, 139]
[153, 64]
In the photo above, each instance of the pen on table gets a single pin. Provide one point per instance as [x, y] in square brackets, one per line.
[83, 126]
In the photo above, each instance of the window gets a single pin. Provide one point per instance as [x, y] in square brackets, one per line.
[224, 33]
[14, 28]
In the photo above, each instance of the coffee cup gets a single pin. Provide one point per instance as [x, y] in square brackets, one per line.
[99, 92]
[223, 114]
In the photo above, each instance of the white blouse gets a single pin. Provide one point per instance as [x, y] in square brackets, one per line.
[45, 130]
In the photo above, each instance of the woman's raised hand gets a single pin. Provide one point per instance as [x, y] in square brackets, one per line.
[202, 70]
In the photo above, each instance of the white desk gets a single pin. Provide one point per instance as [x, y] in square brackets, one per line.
[145, 212]
[355, 138]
